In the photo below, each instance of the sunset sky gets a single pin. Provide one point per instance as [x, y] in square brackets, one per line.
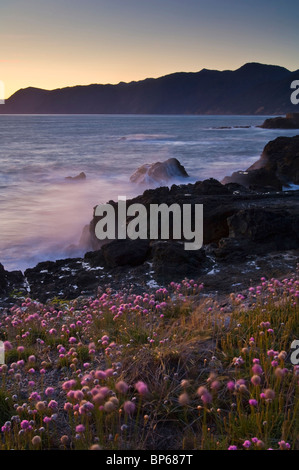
[57, 43]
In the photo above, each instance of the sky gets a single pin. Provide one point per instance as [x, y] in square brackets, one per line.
[56, 43]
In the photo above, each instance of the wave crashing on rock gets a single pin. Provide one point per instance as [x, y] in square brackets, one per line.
[159, 173]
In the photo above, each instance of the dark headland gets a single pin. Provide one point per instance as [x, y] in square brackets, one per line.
[253, 89]
[291, 121]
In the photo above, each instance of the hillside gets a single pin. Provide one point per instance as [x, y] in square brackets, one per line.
[252, 89]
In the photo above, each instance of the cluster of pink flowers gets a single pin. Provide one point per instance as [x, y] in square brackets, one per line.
[65, 363]
[259, 444]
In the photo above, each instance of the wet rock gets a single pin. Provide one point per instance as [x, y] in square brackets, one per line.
[95, 258]
[171, 262]
[66, 278]
[291, 121]
[259, 179]
[80, 177]
[269, 229]
[210, 187]
[159, 172]
[236, 188]
[125, 252]
[231, 250]
[10, 281]
[278, 166]
[3, 279]
[215, 218]
[281, 157]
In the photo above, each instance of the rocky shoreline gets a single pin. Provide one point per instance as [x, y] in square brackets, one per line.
[250, 230]
[247, 234]
[291, 121]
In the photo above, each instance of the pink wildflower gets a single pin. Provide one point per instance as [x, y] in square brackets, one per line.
[129, 407]
[141, 388]
[122, 387]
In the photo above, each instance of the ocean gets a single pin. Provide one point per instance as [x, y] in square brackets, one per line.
[42, 214]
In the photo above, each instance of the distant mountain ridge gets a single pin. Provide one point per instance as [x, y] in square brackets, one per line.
[252, 89]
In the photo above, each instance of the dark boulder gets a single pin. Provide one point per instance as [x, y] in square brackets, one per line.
[94, 258]
[3, 279]
[80, 177]
[210, 187]
[125, 252]
[291, 121]
[171, 262]
[274, 228]
[66, 278]
[10, 280]
[215, 218]
[236, 188]
[278, 166]
[281, 156]
[258, 179]
[230, 249]
[159, 172]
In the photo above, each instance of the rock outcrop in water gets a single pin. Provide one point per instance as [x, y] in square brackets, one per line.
[291, 121]
[255, 179]
[278, 166]
[281, 156]
[80, 177]
[159, 173]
